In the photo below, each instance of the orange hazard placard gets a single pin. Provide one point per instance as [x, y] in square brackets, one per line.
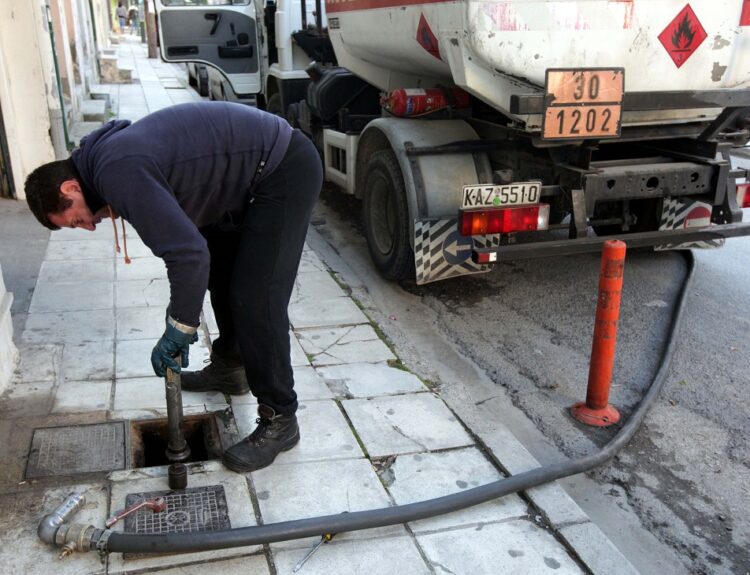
[583, 103]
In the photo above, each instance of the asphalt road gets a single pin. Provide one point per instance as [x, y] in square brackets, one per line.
[676, 499]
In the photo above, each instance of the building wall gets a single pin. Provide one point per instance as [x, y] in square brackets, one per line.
[27, 89]
[8, 351]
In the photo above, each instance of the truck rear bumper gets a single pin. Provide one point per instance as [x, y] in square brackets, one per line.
[637, 240]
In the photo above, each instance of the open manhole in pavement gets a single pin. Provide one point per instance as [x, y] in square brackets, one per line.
[149, 438]
[76, 449]
[195, 509]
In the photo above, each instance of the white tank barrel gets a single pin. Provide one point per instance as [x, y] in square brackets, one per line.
[495, 49]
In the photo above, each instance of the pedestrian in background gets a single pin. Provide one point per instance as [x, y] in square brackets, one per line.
[122, 16]
[133, 19]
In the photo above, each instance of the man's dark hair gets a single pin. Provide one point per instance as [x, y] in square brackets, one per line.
[43, 190]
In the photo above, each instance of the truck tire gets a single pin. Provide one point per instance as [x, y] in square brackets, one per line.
[386, 217]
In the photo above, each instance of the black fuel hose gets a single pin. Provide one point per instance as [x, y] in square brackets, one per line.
[353, 521]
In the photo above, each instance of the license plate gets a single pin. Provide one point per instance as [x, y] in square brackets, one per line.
[494, 196]
[583, 103]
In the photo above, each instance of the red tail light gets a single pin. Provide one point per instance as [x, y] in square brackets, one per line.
[505, 220]
[743, 195]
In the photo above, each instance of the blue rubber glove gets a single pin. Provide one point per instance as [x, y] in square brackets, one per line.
[175, 342]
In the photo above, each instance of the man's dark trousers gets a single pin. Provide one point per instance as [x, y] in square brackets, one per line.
[253, 269]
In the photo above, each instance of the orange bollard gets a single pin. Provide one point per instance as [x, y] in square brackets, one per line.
[597, 410]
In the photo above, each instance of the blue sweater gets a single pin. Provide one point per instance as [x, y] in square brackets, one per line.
[175, 171]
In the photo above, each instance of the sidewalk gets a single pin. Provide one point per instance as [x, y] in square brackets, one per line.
[373, 434]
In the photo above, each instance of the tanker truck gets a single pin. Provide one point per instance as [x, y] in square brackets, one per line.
[477, 131]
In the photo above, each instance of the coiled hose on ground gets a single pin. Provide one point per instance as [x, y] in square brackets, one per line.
[353, 521]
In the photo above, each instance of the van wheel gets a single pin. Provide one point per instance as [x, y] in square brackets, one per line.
[202, 82]
[386, 217]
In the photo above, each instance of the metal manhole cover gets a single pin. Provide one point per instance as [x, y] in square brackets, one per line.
[76, 449]
[193, 509]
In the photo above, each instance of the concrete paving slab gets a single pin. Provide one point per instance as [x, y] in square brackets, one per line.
[38, 362]
[94, 110]
[240, 509]
[37, 392]
[142, 293]
[59, 297]
[339, 345]
[325, 312]
[596, 550]
[101, 88]
[316, 341]
[80, 250]
[255, 564]
[140, 323]
[62, 271]
[146, 268]
[147, 393]
[82, 397]
[369, 379]
[183, 96]
[324, 432]
[316, 285]
[424, 476]
[514, 547]
[88, 361]
[299, 357]
[78, 130]
[300, 490]
[161, 412]
[382, 555]
[557, 506]
[70, 327]
[102, 232]
[136, 247]
[133, 358]
[411, 423]
[21, 550]
[310, 262]
[307, 385]
[208, 321]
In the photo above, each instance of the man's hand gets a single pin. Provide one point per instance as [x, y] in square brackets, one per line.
[175, 342]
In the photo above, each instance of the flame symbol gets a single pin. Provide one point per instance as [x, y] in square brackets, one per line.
[683, 35]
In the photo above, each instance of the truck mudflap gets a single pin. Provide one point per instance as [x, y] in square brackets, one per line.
[683, 213]
[636, 240]
[441, 252]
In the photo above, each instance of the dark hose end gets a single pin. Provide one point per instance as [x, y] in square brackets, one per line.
[178, 476]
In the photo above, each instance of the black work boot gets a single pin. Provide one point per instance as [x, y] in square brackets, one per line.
[274, 434]
[218, 375]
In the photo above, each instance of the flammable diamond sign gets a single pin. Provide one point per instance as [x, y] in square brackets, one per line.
[682, 36]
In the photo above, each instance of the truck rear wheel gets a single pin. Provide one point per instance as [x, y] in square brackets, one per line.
[386, 217]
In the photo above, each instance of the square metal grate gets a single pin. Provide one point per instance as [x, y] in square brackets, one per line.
[76, 449]
[193, 509]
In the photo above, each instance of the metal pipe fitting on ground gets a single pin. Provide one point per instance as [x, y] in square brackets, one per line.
[50, 524]
[77, 537]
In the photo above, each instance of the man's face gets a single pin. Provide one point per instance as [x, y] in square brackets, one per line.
[78, 215]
